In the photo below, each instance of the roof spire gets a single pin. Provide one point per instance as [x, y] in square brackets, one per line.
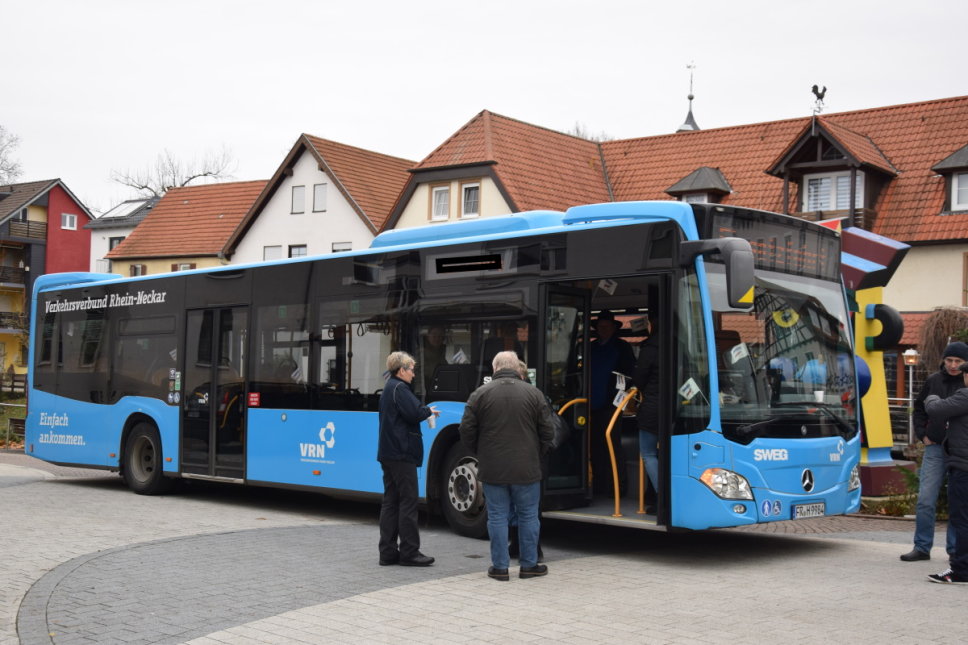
[690, 122]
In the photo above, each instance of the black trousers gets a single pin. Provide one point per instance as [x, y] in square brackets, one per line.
[398, 513]
[601, 462]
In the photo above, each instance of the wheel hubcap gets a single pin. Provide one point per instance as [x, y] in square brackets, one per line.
[463, 487]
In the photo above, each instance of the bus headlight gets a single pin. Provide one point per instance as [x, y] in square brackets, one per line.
[854, 483]
[726, 483]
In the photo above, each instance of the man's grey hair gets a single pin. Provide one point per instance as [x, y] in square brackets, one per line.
[505, 361]
[398, 360]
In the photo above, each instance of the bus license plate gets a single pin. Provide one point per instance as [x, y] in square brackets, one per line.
[801, 511]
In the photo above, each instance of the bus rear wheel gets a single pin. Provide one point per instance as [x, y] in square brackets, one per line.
[142, 469]
[462, 494]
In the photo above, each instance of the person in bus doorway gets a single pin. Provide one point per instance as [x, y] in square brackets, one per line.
[507, 424]
[646, 379]
[954, 409]
[434, 354]
[609, 354]
[400, 453]
[943, 383]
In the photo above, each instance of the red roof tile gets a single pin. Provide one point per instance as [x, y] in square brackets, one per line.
[913, 324]
[190, 221]
[538, 168]
[369, 180]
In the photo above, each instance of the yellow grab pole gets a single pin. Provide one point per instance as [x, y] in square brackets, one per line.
[611, 450]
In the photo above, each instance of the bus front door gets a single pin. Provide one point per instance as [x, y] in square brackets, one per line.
[213, 409]
[564, 379]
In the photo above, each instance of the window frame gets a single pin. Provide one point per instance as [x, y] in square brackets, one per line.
[69, 221]
[464, 185]
[265, 249]
[293, 247]
[113, 242]
[959, 183]
[316, 200]
[301, 191]
[833, 176]
[334, 249]
[434, 190]
[695, 198]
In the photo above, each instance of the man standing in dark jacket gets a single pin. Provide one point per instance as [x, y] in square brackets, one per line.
[400, 453]
[943, 384]
[508, 425]
[954, 409]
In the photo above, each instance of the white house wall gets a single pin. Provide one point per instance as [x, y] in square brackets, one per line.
[276, 225]
[100, 244]
[417, 210]
[928, 277]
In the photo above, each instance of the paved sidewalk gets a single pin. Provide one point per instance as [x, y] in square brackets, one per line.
[90, 562]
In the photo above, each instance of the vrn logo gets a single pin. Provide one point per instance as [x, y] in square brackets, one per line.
[327, 439]
[771, 454]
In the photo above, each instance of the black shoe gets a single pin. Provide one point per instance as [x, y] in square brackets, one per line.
[385, 562]
[498, 574]
[914, 555]
[533, 572]
[419, 560]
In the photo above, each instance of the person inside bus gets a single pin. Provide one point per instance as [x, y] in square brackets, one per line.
[609, 354]
[400, 453]
[434, 354]
[646, 379]
[506, 340]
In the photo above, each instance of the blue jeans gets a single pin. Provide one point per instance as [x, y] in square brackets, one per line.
[931, 478]
[649, 447]
[526, 498]
[958, 505]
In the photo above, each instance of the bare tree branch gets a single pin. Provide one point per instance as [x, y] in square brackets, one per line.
[9, 168]
[170, 172]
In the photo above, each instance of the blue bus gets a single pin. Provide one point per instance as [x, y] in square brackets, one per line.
[269, 374]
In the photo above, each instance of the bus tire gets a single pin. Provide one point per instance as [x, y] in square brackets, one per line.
[462, 496]
[143, 470]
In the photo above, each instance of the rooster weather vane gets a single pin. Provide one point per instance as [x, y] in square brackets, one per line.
[819, 93]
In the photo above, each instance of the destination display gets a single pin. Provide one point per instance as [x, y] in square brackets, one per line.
[787, 245]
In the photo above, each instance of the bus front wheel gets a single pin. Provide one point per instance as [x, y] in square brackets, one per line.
[143, 472]
[462, 494]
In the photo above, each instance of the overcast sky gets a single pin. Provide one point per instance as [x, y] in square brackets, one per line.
[99, 85]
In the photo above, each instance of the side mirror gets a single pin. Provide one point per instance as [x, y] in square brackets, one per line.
[737, 256]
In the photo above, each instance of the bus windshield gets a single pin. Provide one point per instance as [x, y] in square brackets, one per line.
[785, 368]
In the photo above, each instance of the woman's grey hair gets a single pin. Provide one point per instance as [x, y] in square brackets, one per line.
[398, 360]
[505, 361]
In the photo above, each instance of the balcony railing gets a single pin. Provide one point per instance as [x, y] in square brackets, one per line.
[10, 320]
[35, 230]
[12, 275]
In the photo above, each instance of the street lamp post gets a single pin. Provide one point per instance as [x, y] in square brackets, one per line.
[910, 359]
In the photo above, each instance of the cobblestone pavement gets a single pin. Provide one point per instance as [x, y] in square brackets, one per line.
[89, 562]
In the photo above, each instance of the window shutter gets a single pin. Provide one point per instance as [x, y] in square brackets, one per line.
[174, 268]
[191, 266]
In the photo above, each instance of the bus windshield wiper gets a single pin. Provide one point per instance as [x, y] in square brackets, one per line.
[845, 429]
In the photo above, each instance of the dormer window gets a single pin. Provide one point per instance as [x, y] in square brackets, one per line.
[959, 191]
[831, 191]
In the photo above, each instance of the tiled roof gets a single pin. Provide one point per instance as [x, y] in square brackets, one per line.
[368, 179]
[124, 215]
[644, 168]
[540, 168]
[13, 197]
[913, 324]
[190, 221]
[859, 146]
[537, 167]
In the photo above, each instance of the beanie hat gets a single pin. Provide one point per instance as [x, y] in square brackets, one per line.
[956, 349]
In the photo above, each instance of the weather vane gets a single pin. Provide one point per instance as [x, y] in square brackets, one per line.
[819, 93]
